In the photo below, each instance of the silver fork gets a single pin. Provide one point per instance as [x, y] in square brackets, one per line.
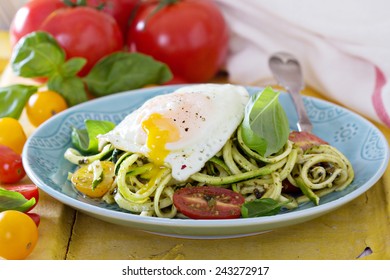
[287, 71]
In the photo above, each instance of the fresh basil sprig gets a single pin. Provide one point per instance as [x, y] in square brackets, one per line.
[70, 87]
[265, 128]
[125, 71]
[13, 99]
[10, 200]
[261, 207]
[85, 139]
[39, 55]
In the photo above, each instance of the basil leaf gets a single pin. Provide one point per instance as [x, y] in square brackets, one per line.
[85, 140]
[71, 67]
[71, 88]
[10, 200]
[13, 99]
[80, 139]
[261, 207]
[265, 127]
[122, 71]
[37, 55]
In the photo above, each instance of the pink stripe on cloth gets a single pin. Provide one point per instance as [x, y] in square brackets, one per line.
[377, 100]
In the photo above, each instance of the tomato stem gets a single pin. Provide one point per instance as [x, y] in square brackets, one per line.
[161, 5]
[81, 3]
[168, 2]
[164, 3]
[77, 3]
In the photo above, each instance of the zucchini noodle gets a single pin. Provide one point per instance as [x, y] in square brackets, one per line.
[146, 189]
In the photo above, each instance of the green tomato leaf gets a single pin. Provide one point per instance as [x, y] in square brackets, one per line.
[13, 99]
[71, 88]
[10, 200]
[85, 140]
[265, 127]
[71, 67]
[37, 55]
[261, 207]
[122, 71]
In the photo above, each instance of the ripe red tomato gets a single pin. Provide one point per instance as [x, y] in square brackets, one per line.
[11, 167]
[305, 140]
[30, 17]
[84, 32]
[120, 10]
[190, 36]
[28, 191]
[208, 202]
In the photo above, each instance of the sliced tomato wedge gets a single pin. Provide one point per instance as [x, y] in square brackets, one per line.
[305, 140]
[28, 191]
[289, 188]
[208, 202]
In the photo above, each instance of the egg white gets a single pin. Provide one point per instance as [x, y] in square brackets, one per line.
[204, 116]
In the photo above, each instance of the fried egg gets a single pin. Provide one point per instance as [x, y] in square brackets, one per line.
[183, 129]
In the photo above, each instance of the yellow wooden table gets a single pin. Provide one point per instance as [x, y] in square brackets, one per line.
[359, 226]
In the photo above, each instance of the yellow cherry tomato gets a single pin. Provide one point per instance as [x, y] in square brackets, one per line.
[12, 134]
[83, 178]
[43, 105]
[18, 235]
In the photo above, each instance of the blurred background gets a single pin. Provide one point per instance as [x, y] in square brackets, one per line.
[8, 9]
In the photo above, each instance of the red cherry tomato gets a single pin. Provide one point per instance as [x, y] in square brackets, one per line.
[35, 217]
[30, 17]
[120, 10]
[28, 191]
[11, 167]
[305, 140]
[190, 36]
[208, 202]
[84, 32]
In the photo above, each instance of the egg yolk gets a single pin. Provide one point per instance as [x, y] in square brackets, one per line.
[160, 131]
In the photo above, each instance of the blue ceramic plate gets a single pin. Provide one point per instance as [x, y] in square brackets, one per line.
[358, 139]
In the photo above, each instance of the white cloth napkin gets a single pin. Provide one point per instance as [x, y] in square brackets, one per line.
[343, 46]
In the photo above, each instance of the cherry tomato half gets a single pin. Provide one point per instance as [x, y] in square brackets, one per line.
[11, 166]
[83, 177]
[208, 202]
[289, 188]
[84, 32]
[12, 134]
[190, 36]
[18, 235]
[28, 191]
[305, 140]
[43, 105]
[30, 17]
